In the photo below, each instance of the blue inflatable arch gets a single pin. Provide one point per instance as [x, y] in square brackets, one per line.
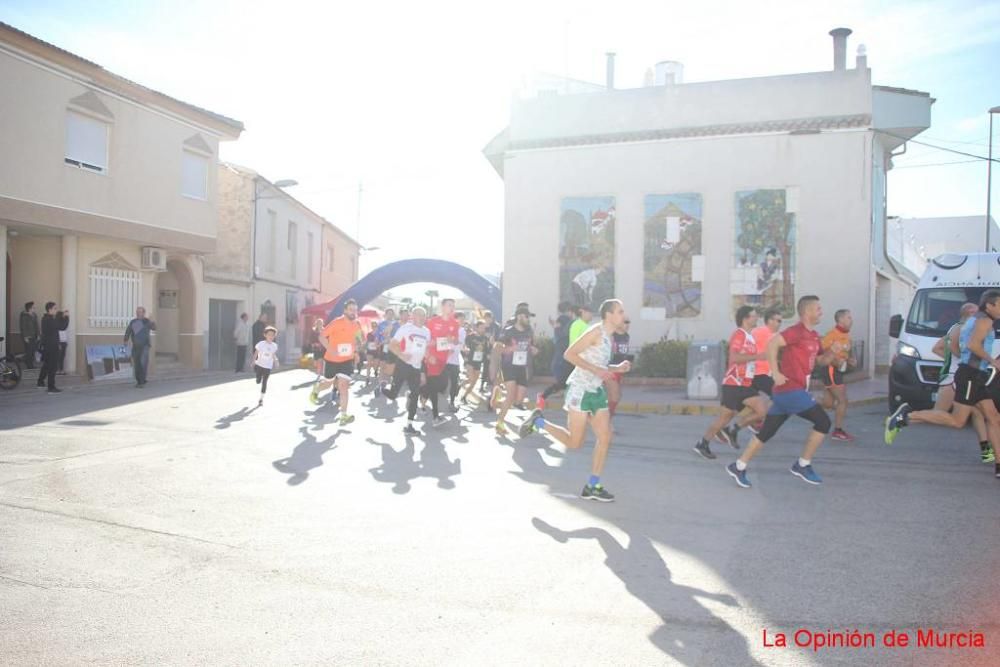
[421, 271]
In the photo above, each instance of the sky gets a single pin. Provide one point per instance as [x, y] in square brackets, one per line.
[399, 98]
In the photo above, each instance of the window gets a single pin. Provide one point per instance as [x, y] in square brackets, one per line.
[86, 142]
[329, 258]
[272, 239]
[114, 296]
[293, 237]
[309, 257]
[194, 175]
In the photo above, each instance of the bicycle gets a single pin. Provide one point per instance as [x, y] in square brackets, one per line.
[10, 371]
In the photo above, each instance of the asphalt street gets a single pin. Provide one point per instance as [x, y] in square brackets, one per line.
[180, 525]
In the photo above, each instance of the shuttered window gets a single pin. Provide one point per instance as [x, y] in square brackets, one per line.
[114, 296]
[86, 142]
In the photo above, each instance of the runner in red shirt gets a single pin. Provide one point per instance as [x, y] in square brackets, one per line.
[791, 396]
[738, 391]
[444, 337]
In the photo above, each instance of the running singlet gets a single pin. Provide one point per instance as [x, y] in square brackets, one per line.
[413, 342]
[441, 331]
[342, 336]
[798, 357]
[477, 348]
[741, 374]
[619, 347]
[763, 336]
[838, 342]
[599, 355]
[517, 345]
[968, 357]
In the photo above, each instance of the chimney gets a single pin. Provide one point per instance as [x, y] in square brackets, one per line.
[840, 48]
[861, 61]
[669, 73]
[611, 70]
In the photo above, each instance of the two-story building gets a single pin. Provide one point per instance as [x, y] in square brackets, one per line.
[275, 256]
[107, 199]
[688, 200]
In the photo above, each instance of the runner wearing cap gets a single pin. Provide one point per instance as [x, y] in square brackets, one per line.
[516, 350]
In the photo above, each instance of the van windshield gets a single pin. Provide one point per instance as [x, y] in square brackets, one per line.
[934, 310]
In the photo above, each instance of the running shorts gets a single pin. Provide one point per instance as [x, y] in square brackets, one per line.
[791, 402]
[733, 396]
[512, 373]
[333, 369]
[763, 384]
[832, 377]
[591, 402]
[970, 386]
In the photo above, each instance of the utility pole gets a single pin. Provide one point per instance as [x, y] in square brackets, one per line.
[357, 232]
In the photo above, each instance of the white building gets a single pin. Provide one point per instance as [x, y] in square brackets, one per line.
[687, 200]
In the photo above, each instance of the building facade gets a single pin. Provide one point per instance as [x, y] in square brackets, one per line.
[689, 200]
[107, 200]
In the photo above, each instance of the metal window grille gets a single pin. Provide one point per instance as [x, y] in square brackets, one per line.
[114, 296]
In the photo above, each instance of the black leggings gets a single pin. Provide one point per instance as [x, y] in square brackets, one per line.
[560, 383]
[452, 372]
[435, 385]
[816, 414]
[262, 375]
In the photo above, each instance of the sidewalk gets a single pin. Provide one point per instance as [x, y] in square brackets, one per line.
[673, 400]
[75, 383]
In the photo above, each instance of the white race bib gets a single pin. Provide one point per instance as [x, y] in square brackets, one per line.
[751, 367]
[345, 350]
[63, 336]
[443, 344]
[372, 347]
[520, 358]
[477, 355]
[418, 346]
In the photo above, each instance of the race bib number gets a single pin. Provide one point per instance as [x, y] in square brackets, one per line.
[443, 345]
[520, 358]
[418, 345]
[477, 355]
[372, 346]
[345, 350]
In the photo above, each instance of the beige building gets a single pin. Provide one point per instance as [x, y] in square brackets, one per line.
[299, 259]
[108, 199]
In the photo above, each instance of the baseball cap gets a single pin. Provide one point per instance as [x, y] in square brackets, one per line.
[522, 309]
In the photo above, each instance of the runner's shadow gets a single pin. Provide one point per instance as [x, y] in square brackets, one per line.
[384, 409]
[306, 456]
[239, 415]
[647, 578]
[399, 468]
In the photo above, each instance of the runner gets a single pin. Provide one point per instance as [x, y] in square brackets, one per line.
[584, 316]
[409, 345]
[619, 353]
[762, 380]
[476, 344]
[975, 384]
[371, 356]
[444, 330]
[340, 338]
[560, 340]
[738, 391]
[791, 396]
[838, 342]
[586, 399]
[317, 348]
[454, 367]
[265, 358]
[383, 334]
[515, 344]
[947, 348]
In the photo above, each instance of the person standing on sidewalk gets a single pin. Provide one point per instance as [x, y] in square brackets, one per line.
[241, 335]
[62, 322]
[29, 333]
[258, 328]
[140, 333]
[50, 349]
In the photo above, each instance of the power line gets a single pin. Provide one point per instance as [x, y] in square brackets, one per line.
[940, 148]
[934, 164]
[978, 142]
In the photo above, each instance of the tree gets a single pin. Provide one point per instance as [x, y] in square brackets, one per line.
[431, 293]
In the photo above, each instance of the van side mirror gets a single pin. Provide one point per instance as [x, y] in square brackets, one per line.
[895, 326]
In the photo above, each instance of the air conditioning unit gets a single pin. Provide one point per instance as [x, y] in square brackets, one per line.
[154, 259]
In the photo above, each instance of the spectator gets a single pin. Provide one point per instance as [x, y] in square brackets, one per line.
[258, 329]
[50, 349]
[29, 333]
[241, 334]
[139, 332]
[62, 321]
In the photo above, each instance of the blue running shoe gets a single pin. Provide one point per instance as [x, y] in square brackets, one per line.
[806, 473]
[739, 475]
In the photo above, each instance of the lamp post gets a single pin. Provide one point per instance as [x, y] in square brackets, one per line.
[989, 177]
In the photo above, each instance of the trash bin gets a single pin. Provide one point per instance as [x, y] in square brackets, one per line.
[704, 370]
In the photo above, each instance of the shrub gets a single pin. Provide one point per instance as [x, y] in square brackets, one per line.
[663, 359]
[542, 363]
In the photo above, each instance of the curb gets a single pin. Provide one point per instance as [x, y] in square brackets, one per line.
[693, 409]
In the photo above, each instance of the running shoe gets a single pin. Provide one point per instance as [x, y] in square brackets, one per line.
[500, 429]
[988, 455]
[739, 475]
[722, 436]
[598, 493]
[346, 419]
[540, 402]
[409, 430]
[528, 426]
[703, 450]
[896, 421]
[806, 473]
[440, 420]
[732, 432]
[314, 398]
[842, 435]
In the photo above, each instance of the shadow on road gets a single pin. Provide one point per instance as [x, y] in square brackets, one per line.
[399, 467]
[647, 578]
[307, 456]
[238, 416]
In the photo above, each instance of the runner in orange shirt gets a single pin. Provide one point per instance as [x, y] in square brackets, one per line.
[340, 338]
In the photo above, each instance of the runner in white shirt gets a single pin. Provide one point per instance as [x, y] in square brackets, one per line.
[265, 358]
[410, 345]
[454, 367]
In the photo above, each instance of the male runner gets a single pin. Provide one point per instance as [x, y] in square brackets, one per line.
[584, 316]
[586, 399]
[444, 330]
[489, 368]
[340, 338]
[791, 396]
[409, 345]
[476, 345]
[762, 380]
[454, 367]
[838, 342]
[738, 391]
[977, 380]
[619, 353]
[516, 349]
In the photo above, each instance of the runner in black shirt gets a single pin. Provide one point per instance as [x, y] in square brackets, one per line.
[516, 352]
[477, 345]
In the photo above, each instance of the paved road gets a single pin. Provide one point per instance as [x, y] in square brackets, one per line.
[177, 525]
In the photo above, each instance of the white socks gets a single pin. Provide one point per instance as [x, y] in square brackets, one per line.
[804, 462]
[740, 465]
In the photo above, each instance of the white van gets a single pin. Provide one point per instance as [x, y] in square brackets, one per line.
[949, 281]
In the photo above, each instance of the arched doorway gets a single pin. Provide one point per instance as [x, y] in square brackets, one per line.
[178, 336]
[420, 271]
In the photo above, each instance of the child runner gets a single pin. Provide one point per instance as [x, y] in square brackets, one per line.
[586, 399]
[265, 358]
[340, 338]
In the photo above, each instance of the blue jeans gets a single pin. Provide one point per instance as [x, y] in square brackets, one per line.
[140, 362]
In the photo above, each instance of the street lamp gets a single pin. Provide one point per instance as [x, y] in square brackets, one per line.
[989, 177]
